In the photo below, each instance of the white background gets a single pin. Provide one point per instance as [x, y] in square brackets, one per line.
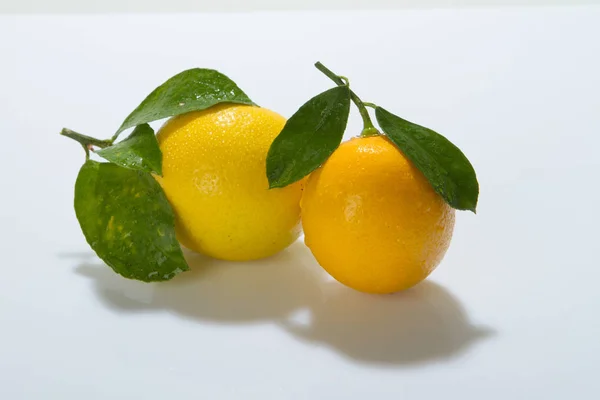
[77, 6]
[511, 313]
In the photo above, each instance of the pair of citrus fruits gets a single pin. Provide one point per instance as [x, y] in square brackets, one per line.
[370, 218]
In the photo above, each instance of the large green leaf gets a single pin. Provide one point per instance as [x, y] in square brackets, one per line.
[309, 137]
[128, 221]
[139, 151]
[192, 90]
[443, 164]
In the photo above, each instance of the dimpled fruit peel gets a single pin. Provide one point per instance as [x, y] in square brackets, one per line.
[231, 180]
[213, 176]
[200, 181]
[378, 210]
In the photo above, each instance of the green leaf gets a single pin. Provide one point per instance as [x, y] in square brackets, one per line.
[139, 151]
[128, 221]
[443, 164]
[309, 137]
[192, 90]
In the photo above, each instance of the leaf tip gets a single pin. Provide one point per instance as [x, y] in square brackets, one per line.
[275, 185]
[278, 182]
[183, 268]
[157, 171]
[471, 206]
[273, 176]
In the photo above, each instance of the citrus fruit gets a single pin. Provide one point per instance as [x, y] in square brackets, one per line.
[371, 218]
[214, 178]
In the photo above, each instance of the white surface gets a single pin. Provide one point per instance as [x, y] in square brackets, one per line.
[512, 312]
[78, 6]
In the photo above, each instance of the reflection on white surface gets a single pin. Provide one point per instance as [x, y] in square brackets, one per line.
[70, 6]
[516, 89]
[291, 290]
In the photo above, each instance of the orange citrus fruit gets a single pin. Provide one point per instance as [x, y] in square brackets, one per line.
[214, 177]
[371, 218]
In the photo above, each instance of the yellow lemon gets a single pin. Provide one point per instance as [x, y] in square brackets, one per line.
[214, 177]
[372, 220]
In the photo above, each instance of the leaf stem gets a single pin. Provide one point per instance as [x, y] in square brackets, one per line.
[368, 127]
[86, 141]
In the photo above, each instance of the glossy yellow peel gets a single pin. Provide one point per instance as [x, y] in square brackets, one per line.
[214, 177]
[372, 219]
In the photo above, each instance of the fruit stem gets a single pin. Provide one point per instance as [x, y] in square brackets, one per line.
[368, 128]
[86, 141]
